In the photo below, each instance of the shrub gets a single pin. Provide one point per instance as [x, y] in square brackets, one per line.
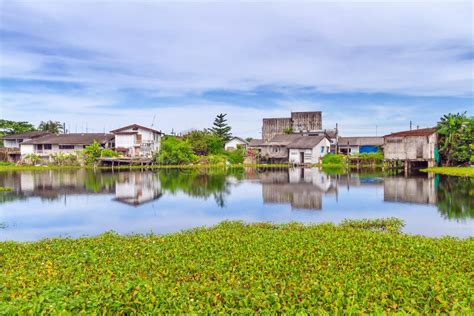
[236, 156]
[92, 152]
[334, 159]
[31, 159]
[107, 152]
[204, 142]
[65, 159]
[174, 151]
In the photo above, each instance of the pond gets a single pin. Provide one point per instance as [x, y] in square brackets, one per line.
[78, 203]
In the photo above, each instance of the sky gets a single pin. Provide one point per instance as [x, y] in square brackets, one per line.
[370, 67]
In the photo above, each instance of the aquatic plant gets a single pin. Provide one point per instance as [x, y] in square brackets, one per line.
[238, 268]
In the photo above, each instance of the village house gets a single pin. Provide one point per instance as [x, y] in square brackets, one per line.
[65, 143]
[415, 148]
[137, 141]
[295, 149]
[359, 145]
[11, 143]
[234, 143]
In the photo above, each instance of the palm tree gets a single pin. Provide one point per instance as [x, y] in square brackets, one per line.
[54, 127]
[450, 130]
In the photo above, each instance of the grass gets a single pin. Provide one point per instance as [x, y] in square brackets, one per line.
[6, 189]
[356, 267]
[452, 171]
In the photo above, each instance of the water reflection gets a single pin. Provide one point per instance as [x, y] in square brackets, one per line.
[247, 194]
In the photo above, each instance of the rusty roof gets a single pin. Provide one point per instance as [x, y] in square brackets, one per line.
[415, 132]
[71, 139]
[32, 134]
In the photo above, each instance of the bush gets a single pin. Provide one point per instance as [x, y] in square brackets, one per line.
[370, 158]
[236, 156]
[204, 142]
[92, 152]
[31, 159]
[65, 159]
[108, 153]
[334, 159]
[174, 151]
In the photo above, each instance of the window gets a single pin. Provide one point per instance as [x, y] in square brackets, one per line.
[47, 146]
[20, 140]
[322, 149]
[66, 146]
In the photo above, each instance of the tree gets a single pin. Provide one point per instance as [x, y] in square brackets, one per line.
[221, 128]
[54, 127]
[174, 151]
[456, 134]
[92, 152]
[204, 142]
[12, 127]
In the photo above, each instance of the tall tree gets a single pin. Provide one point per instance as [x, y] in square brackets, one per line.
[54, 127]
[456, 132]
[221, 128]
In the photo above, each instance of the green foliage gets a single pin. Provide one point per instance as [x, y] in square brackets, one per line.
[452, 171]
[288, 130]
[92, 152]
[221, 128]
[370, 158]
[391, 225]
[31, 159]
[456, 133]
[6, 164]
[174, 151]
[65, 159]
[234, 268]
[237, 156]
[107, 152]
[334, 159]
[13, 127]
[54, 127]
[456, 198]
[204, 142]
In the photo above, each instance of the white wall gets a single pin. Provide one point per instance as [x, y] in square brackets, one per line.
[8, 143]
[26, 149]
[130, 141]
[232, 144]
[317, 154]
[312, 156]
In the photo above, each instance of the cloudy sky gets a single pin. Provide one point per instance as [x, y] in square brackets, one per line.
[97, 65]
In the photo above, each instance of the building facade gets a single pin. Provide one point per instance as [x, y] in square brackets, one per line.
[137, 141]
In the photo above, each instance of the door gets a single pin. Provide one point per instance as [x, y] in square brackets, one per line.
[301, 157]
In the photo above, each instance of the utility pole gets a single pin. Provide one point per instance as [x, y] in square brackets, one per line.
[410, 125]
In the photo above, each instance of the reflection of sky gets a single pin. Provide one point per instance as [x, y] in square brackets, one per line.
[79, 215]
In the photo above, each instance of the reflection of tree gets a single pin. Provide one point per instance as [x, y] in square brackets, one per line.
[455, 197]
[198, 183]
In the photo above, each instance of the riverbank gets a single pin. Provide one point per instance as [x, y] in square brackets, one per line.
[139, 167]
[237, 268]
[452, 171]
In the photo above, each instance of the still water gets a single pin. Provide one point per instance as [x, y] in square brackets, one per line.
[85, 203]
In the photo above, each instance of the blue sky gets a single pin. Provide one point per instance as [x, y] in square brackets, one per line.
[97, 65]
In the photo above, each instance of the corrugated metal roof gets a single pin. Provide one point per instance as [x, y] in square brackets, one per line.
[71, 139]
[361, 141]
[415, 132]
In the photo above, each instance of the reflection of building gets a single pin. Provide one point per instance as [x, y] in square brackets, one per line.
[302, 188]
[411, 190]
[137, 188]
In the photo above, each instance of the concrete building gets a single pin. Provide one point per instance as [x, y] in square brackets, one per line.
[299, 123]
[416, 148]
[11, 144]
[359, 145]
[137, 141]
[235, 142]
[65, 143]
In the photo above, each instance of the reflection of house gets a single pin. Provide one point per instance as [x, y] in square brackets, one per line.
[235, 142]
[416, 146]
[356, 145]
[295, 149]
[137, 188]
[303, 189]
[411, 190]
[137, 141]
[65, 143]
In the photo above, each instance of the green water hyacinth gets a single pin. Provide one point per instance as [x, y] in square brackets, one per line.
[239, 268]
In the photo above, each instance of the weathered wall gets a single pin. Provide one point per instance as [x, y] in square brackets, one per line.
[410, 148]
[274, 126]
[306, 121]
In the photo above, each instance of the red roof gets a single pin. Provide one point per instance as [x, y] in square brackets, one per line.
[415, 132]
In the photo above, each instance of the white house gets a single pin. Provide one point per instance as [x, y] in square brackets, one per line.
[234, 143]
[66, 143]
[137, 141]
[308, 149]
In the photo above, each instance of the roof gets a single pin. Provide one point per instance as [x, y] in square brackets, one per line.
[256, 142]
[361, 141]
[415, 132]
[32, 134]
[295, 141]
[135, 126]
[71, 139]
[241, 139]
